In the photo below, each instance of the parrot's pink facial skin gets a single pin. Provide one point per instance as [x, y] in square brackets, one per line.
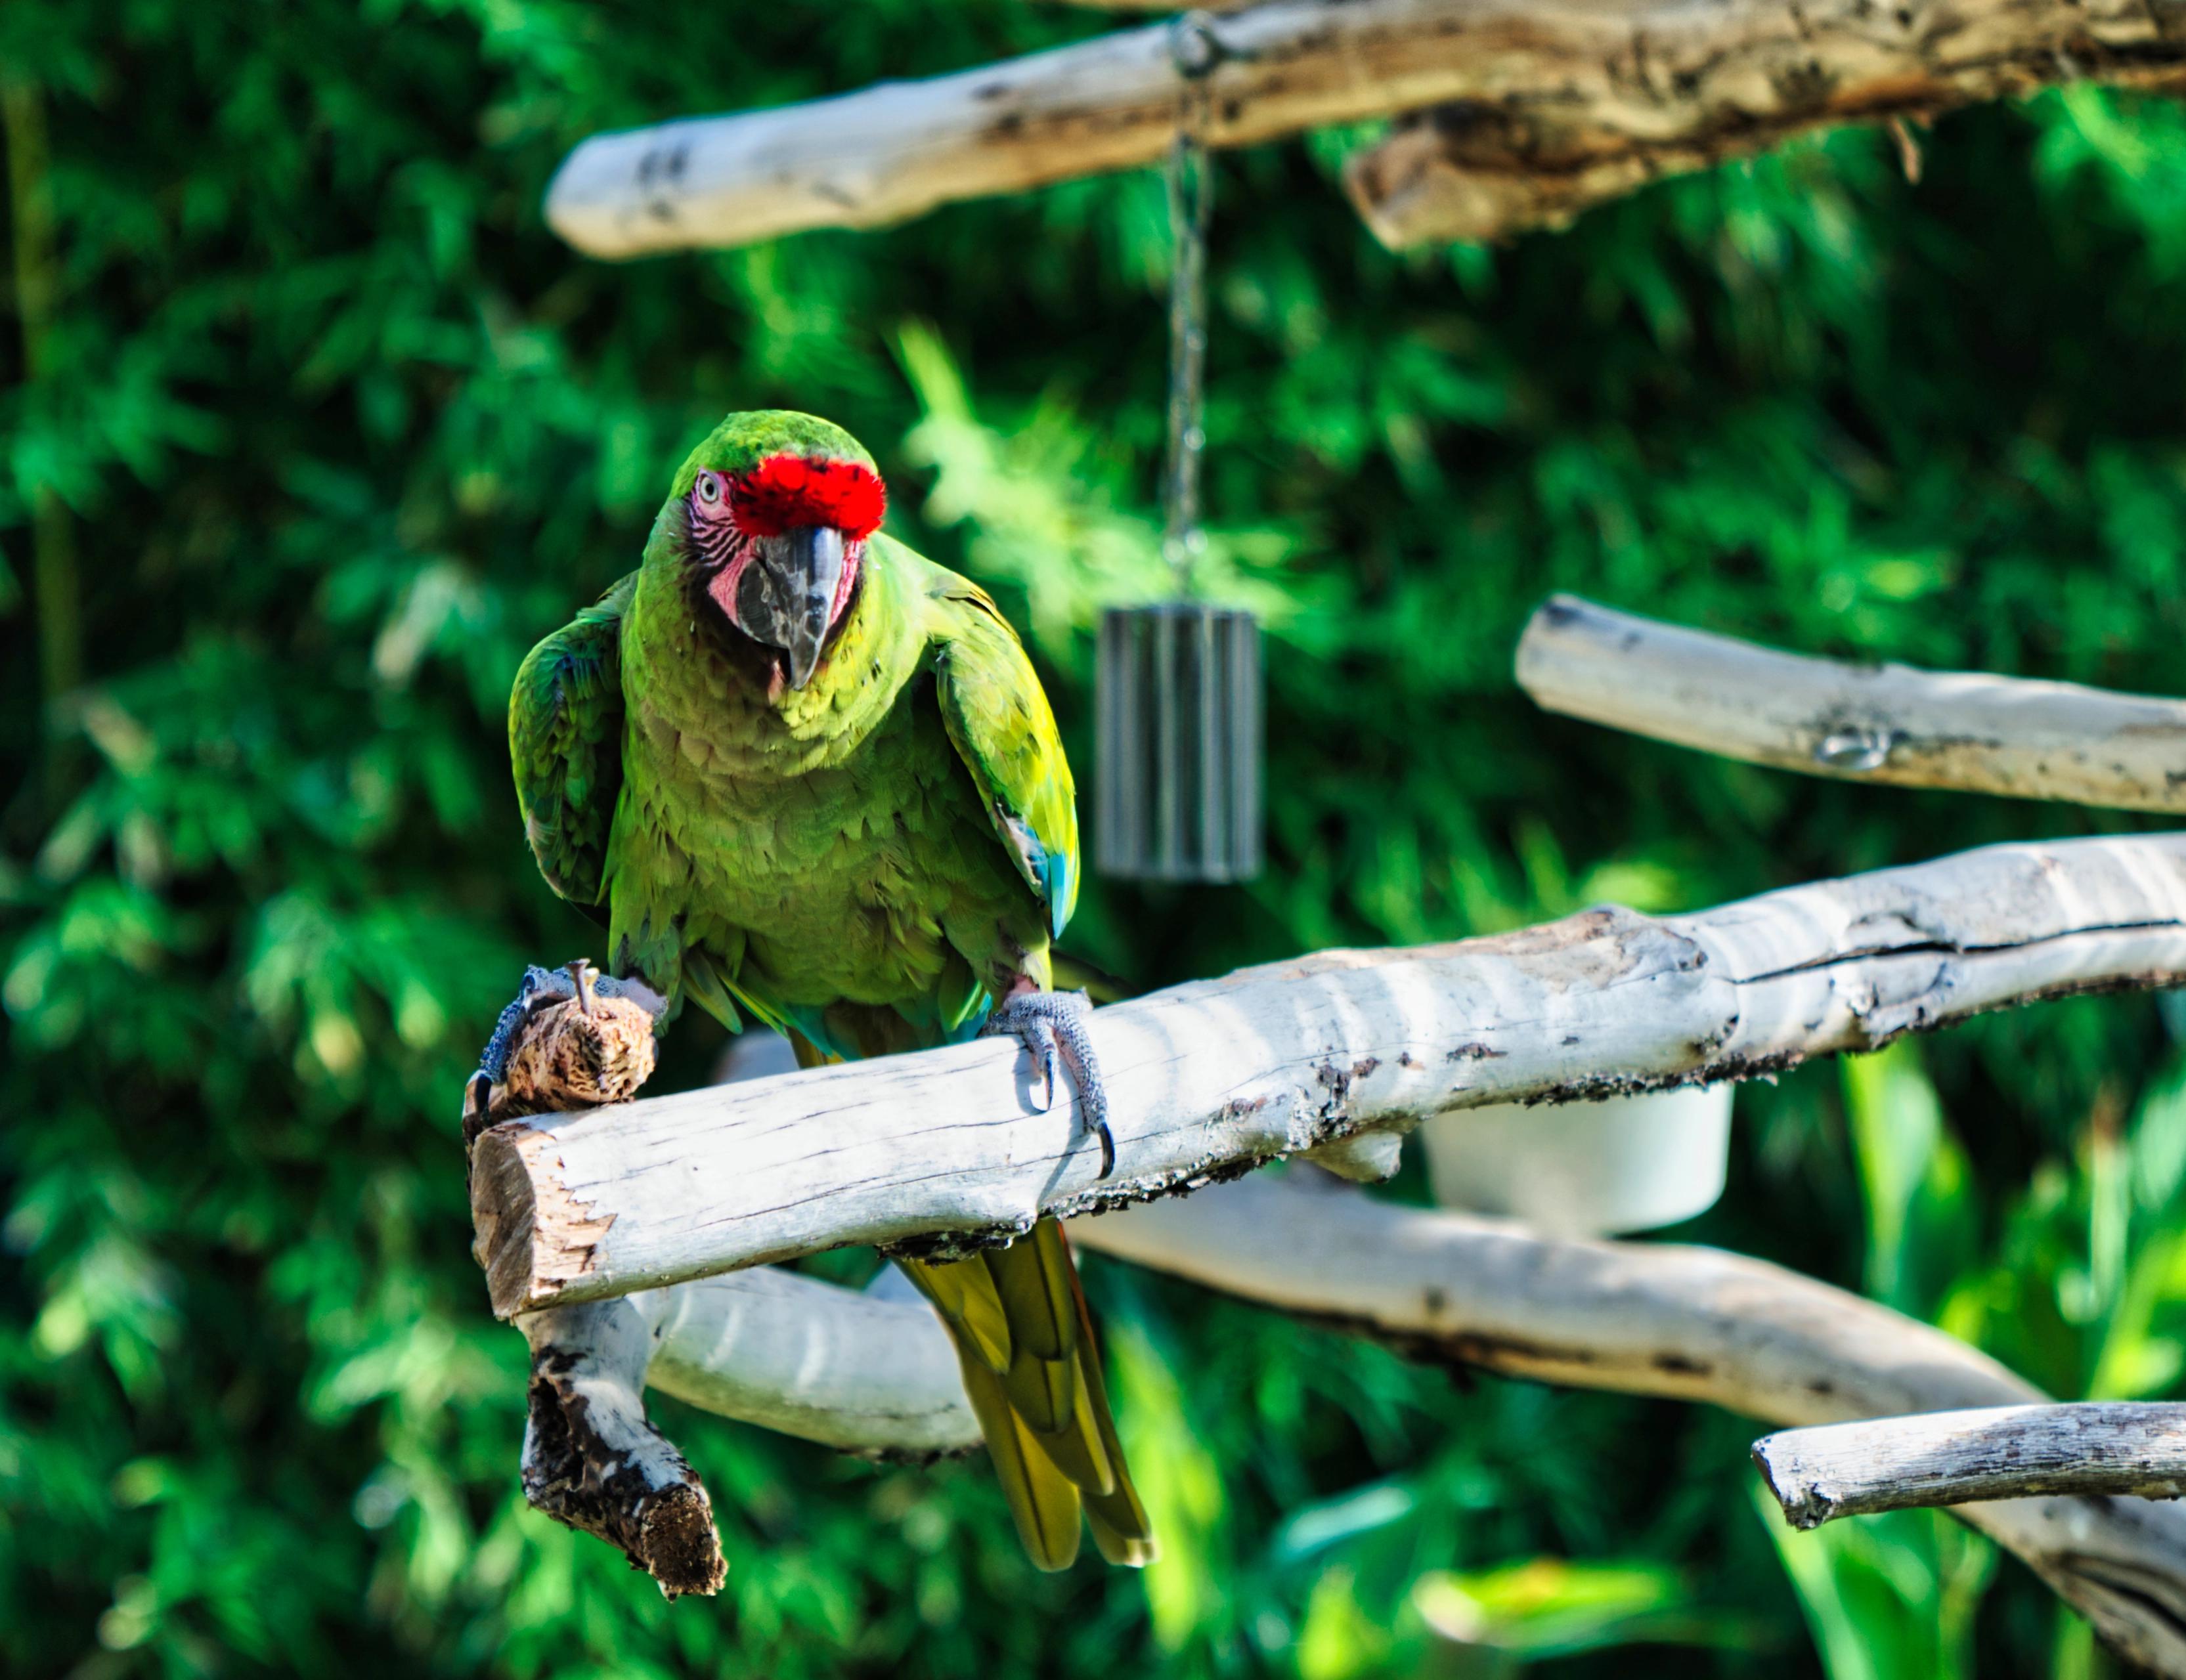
[733, 516]
[781, 549]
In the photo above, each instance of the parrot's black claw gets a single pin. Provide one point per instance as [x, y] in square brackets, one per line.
[1051, 1026]
[478, 1097]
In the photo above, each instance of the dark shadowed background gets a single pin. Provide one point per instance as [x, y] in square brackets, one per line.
[324, 428]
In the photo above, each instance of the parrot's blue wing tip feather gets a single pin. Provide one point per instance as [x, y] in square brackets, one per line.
[1057, 886]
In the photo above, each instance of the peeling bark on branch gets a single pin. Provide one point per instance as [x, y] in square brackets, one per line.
[945, 1149]
[591, 1460]
[870, 1373]
[1955, 1458]
[1485, 169]
[1657, 1318]
[1544, 108]
[1862, 723]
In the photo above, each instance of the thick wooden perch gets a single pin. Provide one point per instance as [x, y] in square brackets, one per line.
[1544, 108]
[1892, 724]
[1956, 1458]
[945, 1148]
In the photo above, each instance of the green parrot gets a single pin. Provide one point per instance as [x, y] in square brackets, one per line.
[805, 775]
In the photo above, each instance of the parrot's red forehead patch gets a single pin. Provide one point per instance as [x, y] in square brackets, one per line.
[784, 491]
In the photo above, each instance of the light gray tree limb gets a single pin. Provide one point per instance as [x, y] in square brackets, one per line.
[949, 1148]
[1890, 724]
[1994, 1453]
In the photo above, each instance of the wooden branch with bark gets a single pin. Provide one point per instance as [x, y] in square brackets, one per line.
[945, 1149]
[1893, 723]
[2100, 1447]
[1537, 109]
[1688, 89]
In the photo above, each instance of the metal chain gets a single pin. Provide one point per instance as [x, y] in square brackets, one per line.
[1195, 51]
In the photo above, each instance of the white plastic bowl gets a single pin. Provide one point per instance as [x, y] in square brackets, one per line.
[1585, 1168]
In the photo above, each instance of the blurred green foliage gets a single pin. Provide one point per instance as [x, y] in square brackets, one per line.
[324, 428]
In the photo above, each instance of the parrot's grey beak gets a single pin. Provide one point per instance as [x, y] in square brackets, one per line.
[785, 597]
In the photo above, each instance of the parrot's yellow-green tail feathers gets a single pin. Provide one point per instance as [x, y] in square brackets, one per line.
[1130, 1547]
[1033, 1374]
[1041, 1498]
[1117, 1519]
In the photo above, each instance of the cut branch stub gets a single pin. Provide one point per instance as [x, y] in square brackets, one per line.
[945, 1148]
[871, 1372]
[591, 1460]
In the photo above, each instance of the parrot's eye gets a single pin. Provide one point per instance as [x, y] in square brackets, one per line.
[709, 488]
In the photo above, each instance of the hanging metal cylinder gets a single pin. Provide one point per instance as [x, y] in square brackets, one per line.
[1179, 738]
[1179, 730]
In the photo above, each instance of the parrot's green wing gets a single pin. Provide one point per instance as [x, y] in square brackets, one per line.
[565, 720]
[1000, 722]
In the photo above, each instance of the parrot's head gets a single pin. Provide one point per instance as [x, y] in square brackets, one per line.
[778, 507]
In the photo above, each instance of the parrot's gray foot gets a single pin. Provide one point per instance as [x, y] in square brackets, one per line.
[541, 987]
[1051, 1026]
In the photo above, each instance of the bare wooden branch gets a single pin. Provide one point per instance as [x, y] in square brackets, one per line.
[945, 1148]
[1863, 723]
[868, 1371]
[1956, 1458]
[871, 1373]
[1656, 1319]
[1487, 168]
[1669, 1319]
[1546, 107]
[899, 148]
